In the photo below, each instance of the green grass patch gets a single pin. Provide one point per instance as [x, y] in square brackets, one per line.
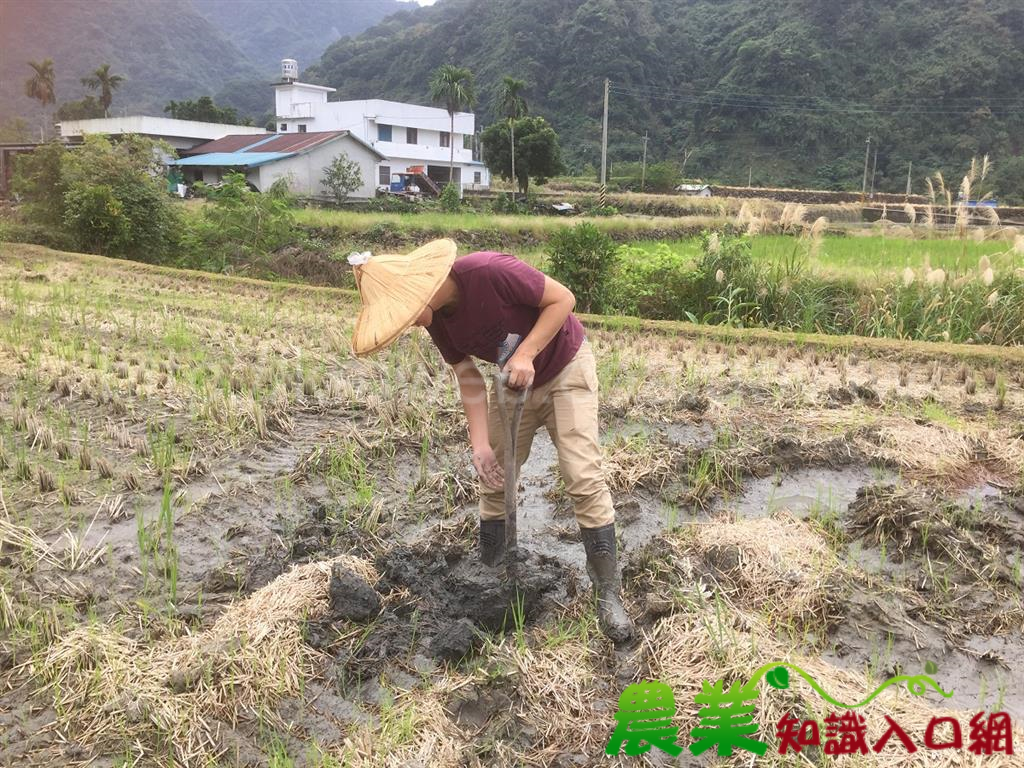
[865, 258]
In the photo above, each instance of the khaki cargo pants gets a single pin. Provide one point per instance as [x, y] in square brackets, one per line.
[567, 407]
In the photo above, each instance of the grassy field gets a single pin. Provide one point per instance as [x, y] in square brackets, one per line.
[196, 477]
[479, 227]
[869, 256]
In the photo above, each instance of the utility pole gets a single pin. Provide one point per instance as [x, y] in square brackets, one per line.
[867, 155]
[874, 165]
[604, 147]
[909, 169]
[643, 166]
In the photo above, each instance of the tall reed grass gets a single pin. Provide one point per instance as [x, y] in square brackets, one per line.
[982, 302]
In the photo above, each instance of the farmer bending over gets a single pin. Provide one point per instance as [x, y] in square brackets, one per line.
[495, 307]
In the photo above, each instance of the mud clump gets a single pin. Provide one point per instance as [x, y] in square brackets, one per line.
[351, 598]
[844, 395]
[453, 598]
[454, 642]
[460, 587]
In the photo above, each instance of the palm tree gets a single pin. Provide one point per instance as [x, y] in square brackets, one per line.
[512, 105]
[452, 86]
[40, 87]
[106, 83]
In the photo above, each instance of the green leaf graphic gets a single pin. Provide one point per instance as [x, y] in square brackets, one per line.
[778, 678]
[930, 667]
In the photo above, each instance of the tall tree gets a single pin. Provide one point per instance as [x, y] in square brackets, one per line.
[539, 155]
[512, 104]
[40, 87]
[452, 86]
[106, 82]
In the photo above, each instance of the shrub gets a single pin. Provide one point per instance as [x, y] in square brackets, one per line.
[450, 200]
[342, 177]
[39, 185]
[582, 258]
[238, 223]
[115, 200]
[503, 203]
[393, 204]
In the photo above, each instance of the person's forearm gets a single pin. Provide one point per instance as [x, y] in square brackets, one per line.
[473, 391]
[549, 322]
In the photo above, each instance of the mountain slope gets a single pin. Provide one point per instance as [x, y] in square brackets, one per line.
[299, 29]
[165, 49]
[788, 90]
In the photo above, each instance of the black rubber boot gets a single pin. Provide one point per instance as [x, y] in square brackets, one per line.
[603, 569]
[492, 542]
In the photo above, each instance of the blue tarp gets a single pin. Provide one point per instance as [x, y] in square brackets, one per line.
[234, 159]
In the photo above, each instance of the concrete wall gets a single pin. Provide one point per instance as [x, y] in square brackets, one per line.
[181, 134]
[305, 172]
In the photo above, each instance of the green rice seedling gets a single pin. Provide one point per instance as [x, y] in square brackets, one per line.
[170, 553]
[277, 754]
[518, 608]
[1000, 393]
[22, 470]
[880, 658]
[68, 496]
[161, 444]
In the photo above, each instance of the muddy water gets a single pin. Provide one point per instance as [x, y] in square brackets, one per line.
[803, 492]
[547, 529]
[879, 637]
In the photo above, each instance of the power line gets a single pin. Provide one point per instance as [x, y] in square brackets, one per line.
[675, 91]
[772, 104]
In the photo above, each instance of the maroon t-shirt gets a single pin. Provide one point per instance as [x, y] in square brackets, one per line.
[498, 306]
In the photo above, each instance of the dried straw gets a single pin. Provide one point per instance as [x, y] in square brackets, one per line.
[177, 694]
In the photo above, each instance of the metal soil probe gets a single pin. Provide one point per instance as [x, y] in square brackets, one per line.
[511, 427]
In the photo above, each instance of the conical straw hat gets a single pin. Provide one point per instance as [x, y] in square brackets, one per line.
[395, 289]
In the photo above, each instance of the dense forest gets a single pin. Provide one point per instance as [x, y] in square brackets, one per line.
[784, 92]
[267, 32]
[169, 50]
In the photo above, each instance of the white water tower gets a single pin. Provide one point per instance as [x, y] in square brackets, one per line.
[289, 70]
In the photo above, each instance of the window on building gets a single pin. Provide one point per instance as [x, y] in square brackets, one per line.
[446, 139]
[476, 177]
[284, 126]
[383, 133]
[384, 175]
[467, 141]
[302, 129]
[411, 136]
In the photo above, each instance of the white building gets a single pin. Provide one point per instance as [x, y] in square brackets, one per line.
[180, 134]
[300, 159]
[412, 138]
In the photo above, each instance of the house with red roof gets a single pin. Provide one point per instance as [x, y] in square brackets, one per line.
[299, 158]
